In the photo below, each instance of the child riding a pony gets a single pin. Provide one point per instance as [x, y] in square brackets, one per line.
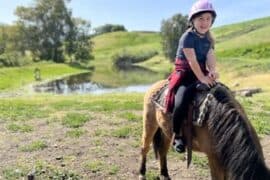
[195, 61]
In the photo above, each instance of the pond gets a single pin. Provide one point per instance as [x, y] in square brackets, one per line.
[82, 84]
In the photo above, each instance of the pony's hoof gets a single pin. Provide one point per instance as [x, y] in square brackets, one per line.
[142, 177]
[164, 177]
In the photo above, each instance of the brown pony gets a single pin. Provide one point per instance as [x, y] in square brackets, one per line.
[226, 137]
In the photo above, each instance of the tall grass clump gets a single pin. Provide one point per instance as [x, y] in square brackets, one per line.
[75, 120]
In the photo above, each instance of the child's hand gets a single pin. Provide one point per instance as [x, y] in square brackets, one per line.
[213, 75]
[207, 80]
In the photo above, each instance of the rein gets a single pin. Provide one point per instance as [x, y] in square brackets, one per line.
[203, 108]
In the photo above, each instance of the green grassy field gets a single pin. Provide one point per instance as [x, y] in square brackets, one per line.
[17, 77]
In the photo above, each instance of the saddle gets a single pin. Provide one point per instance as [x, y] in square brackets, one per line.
[198, 103]
[197, 109]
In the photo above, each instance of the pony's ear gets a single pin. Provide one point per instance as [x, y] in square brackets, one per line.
[202, 87]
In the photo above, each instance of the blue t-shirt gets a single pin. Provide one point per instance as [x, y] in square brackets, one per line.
[201, 45]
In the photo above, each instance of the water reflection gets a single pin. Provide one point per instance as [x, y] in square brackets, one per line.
[133, 88]
[82, 84]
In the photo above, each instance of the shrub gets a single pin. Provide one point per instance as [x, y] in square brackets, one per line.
[10, 59]
[126, 59]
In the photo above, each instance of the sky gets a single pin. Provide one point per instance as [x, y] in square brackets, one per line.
[146, 15]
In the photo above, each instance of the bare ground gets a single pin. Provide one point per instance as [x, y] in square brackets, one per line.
[95, 155]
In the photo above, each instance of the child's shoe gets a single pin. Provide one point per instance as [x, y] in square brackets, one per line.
[178, 144]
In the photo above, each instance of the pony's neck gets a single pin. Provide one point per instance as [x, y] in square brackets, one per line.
[236, 144]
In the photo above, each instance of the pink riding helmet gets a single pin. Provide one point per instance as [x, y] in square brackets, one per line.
[201, 6]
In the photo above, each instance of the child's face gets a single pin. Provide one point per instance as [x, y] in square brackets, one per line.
[203, 22]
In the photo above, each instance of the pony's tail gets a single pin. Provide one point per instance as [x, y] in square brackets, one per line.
[158, 142]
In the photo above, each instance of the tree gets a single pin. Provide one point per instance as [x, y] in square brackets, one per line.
[171, 31]
[3, 39]
[10, 52]
[9, 38]
[48, 30]
[82, 46]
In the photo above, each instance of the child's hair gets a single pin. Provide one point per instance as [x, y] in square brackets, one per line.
[211, 39]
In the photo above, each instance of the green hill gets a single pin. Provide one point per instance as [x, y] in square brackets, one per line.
[109, 44]
[128, 40]
[248, 39]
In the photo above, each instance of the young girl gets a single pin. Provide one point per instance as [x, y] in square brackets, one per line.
[195, 61]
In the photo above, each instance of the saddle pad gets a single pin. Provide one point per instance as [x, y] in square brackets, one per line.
[198, 104]
[159, 99]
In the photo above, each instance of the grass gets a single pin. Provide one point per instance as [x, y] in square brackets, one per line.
[231, 31]
[75, 120]
[34, 146]
[21, 110]
[42, 170]
[14, 127]
[13, 173]
[247, 39]
[98, 166]
[95, 166]
[258, 111]
[243, 67]
[122, 132]
[130, 116]
[75, 133]
[45, 170]
[152, 175]
[18, 77]
[108, 123]
[113, 169]
[103, 103]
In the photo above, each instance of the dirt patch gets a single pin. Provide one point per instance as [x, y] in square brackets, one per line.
[97, 154]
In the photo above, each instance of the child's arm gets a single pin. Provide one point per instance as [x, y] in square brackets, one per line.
[192, 60]
[211, 64]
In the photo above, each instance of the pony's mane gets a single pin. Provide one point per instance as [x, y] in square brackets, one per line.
[233, 137]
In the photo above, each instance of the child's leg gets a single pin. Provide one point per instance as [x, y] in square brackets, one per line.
[178, 116]
[179, 109]
[183, 97]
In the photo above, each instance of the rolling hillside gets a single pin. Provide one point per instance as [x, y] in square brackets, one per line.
[109, 44]
[247, 35]
[249, 39]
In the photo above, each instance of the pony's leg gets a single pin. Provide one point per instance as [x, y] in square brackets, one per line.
[163, 159]
[217, 172]
[167, 133]
[150, 127]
